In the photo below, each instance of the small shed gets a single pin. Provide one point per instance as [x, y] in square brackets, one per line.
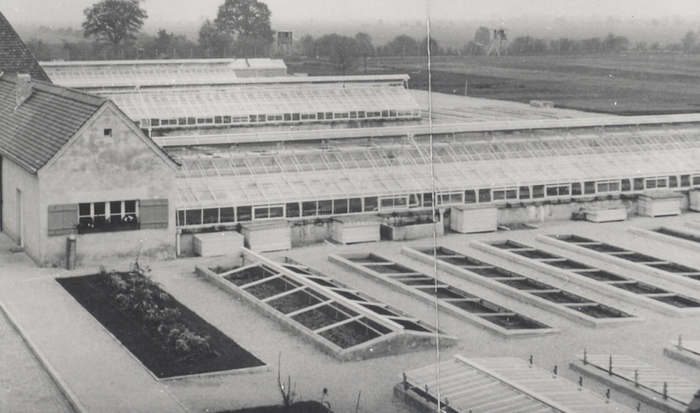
[659, 204]
[266, 236]
[468, 219]
[351, 230]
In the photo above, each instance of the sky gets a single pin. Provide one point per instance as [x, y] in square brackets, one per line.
[70, 12]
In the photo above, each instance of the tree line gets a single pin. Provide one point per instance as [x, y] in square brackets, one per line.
[241, 28]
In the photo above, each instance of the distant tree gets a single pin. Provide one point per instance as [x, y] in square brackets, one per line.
[246, 18]
[592, 45]
[307, 46]
[342, 51]
[689, 41]
[364, 45]
[528, 45]
[39, 49]
[114, 20]
[482, 38]
[163, 42]
[615, 44]
[434, 47]
[251, 46]
[213, 41]
[403, 46]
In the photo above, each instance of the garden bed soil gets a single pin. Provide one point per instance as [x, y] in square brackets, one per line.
[148, 347]
[301, 407]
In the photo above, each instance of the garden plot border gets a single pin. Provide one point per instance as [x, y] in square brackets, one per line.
[652, 233]
[676, 278]
[231, 372]
[491, 309]
[498, 384]
[649, 385]
[687, 352]
[399, 333]
[571, 276]
[526, 296]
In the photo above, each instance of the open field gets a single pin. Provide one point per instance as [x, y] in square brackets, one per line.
[627, 84]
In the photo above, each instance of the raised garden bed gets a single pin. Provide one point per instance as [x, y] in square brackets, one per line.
[164, 335]
[406, 230]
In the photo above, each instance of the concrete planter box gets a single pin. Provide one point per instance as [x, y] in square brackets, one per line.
[659, 204]
[265, 236]
[694, 200]
[351, 230]
[473, 218]
[412, 231]
[606, 214]
[218, 243]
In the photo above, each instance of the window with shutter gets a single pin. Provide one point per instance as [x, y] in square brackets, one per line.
[63, 219]
[153, 213]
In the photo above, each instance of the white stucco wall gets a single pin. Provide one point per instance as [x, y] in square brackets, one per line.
[15, 177]
[98, 168]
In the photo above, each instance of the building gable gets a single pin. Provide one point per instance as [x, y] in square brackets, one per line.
[14, 55]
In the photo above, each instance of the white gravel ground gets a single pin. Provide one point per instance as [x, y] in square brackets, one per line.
[313, 370]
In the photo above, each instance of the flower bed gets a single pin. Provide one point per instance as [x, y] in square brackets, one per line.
[167, 337]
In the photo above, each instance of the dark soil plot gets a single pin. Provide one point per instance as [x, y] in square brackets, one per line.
[418, 282]
[514, 322]
[561, 297]
[678, 234]
[295, 301]
[350, 295]
[390, 269]
[367, 258]
[603, 276]
[272, 287]
[301, 407]
[410, 325]
[321, 281]
[677, 301]
[323, 316]
[474, 307]
[675, 268]
[604, 248]
[569, 265]
[599, 311]
[639, 288]
[249, 275]
[461, 261]
[144, 343]
[526, 284]
[443, 292]
[535, 254]
[574, 239]
[350, 334]
[491, 272]
[637, 257]
[508, 245]
[379, 310]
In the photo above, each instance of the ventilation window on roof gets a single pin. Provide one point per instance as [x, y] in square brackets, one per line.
[108, 132]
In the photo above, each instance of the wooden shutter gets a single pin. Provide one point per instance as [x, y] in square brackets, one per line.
[153, 213]
[63, 219]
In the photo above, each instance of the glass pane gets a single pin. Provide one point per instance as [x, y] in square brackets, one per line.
[262, 212]
[638, 184]
[244, 213]
[325, 207]
[626, 185]
[211, 216]
[84, 210]
[226, 215]
[589, 187]
[193, 217]
[309, 208]
[524, 192]
[292, 210]
[371, 204]
[355, 205]
[484, 195]
[576, 188]
[99, 208]
[115, 208]
[470, 197]
[538, 191]
[340, 206]
[276, 212]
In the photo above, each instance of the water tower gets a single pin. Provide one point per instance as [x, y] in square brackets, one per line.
[499, 43]
[285, 42]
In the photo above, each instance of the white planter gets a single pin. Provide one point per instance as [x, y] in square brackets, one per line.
[265, 236]
[473, 218]
[218, 243]
[351, 230]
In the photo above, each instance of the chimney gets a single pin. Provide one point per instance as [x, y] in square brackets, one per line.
[24, 89]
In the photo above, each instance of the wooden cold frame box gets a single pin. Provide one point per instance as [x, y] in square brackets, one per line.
[659, 204]
[351, 230]
[218, 243]
[467, 219]
[265, 236]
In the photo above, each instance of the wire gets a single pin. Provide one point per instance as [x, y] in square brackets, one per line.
[434, 210]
